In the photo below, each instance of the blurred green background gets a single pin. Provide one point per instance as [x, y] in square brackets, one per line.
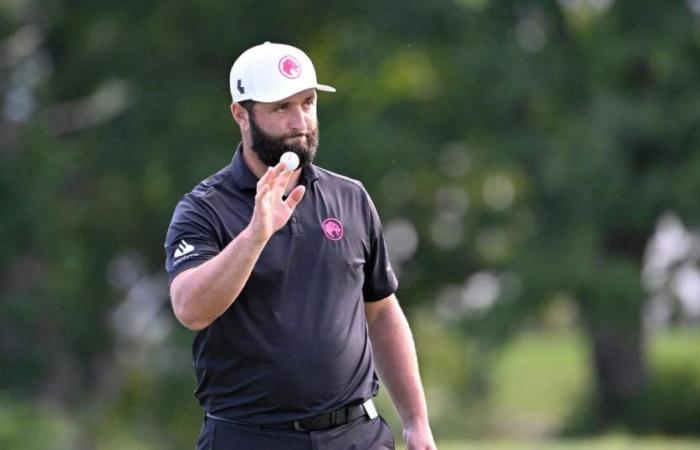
[536, 165]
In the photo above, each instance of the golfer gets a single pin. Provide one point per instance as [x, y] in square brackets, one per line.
[284, 274]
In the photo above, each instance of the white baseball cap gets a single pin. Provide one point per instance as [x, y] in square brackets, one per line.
[272, 72]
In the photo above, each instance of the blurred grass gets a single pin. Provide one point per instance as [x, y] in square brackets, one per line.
[605, 443]
[537, 380]
[674, 345]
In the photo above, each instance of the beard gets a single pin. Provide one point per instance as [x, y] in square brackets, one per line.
[270, 148]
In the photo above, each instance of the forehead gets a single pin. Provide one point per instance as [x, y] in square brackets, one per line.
[299, 97]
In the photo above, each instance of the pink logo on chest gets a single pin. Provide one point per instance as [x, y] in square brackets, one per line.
[333, 229]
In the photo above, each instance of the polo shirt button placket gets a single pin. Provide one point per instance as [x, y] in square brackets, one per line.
[296, 228]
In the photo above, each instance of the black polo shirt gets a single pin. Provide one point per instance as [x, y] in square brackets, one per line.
[294, 343]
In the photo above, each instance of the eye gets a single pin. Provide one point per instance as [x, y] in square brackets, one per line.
[281, 108]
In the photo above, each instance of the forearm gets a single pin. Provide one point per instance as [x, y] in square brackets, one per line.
[202, 294]
[397, 364]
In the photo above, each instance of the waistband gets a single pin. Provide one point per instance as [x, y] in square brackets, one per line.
[331, 419]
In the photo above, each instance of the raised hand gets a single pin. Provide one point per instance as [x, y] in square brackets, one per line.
[271, 212]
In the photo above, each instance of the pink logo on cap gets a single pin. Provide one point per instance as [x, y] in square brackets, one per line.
[333, 229]
[290, 67]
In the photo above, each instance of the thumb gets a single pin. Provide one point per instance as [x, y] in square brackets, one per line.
[295, 196]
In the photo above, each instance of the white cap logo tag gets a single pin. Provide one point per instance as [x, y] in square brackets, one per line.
[290, 67]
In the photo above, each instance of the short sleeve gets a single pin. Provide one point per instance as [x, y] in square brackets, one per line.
[191, 238]
[380, 279]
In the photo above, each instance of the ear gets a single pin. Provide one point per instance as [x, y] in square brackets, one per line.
[240, 115]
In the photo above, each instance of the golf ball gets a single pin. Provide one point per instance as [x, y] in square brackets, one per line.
[290, 160]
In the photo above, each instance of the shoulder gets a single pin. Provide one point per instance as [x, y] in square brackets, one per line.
[200, 198]
[341, 182]
[352, 193]
[212, 184]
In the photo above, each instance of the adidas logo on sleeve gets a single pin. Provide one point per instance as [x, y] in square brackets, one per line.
[183, 249]
[183, 252]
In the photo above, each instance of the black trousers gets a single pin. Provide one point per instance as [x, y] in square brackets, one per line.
[362, 434]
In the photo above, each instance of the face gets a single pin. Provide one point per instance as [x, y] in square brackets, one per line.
[289, 125]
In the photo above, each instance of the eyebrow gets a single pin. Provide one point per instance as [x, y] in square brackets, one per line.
[283, 104]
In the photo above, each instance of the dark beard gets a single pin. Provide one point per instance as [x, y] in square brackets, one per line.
[270, 148]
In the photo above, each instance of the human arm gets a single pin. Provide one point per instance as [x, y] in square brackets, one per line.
[397, 366]
[201, 294]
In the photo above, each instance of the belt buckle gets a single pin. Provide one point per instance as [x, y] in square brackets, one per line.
[298, 427]
[370, 409]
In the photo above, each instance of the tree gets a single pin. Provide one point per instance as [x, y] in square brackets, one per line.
[585, 116]
[533, 143]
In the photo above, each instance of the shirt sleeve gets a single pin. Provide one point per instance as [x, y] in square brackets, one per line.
[191, 239]
[380, 279]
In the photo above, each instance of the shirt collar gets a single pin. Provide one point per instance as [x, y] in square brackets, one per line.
[244, 179]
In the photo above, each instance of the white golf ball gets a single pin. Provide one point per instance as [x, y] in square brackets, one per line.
[291, 160]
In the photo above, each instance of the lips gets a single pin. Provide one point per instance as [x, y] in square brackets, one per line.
[298, 136]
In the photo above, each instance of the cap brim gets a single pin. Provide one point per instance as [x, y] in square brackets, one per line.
[325, 88]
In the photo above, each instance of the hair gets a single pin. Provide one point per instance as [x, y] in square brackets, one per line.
[248, 105]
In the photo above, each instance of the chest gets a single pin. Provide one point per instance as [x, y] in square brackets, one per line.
[327, 231]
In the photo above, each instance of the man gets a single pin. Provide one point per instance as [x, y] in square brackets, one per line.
[285, 276]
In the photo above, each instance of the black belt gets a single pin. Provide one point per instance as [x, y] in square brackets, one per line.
[331, 419]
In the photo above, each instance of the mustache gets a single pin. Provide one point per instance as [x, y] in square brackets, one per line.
[296, 134]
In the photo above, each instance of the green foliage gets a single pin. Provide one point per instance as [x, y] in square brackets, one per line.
[669, 405]
[670, 402]
[539, 141]
[33, 426]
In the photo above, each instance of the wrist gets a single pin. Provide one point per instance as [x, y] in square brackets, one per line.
[254, 239]
[416, 422]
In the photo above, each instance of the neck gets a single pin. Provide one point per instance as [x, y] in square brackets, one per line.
[252, 161]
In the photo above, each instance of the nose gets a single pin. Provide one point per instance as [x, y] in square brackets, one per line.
[297, 119]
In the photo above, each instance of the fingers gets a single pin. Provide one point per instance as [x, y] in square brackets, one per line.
[278, 169]
[283, 179]
[271, 174]
[264, 179]
[275, 181]
[275, 176]
[260, 195]
[295, 197]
